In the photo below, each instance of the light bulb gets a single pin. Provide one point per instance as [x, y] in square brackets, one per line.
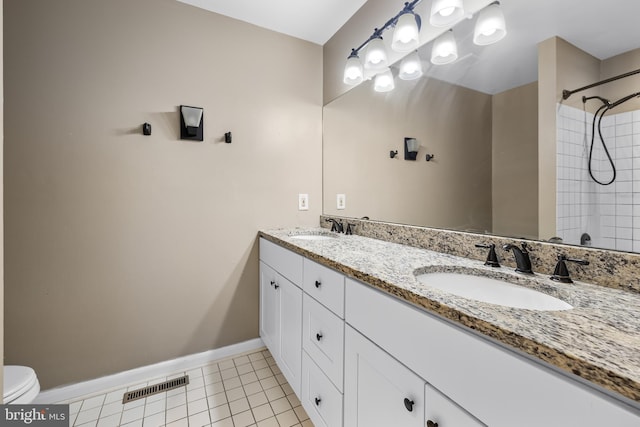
[353, 72]
[376, 55]
[446, 12]
[384, 81]
[490, 26]
[411, 67]
[406, 35]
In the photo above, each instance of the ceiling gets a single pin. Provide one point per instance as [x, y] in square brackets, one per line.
[603, 28]
[314, 21]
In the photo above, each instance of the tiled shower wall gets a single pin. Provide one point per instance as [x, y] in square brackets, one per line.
[610, 214]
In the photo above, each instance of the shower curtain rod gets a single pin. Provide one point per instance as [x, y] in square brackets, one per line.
[567, 93]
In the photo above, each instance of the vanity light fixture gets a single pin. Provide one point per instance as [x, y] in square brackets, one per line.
[445, 12]
[411, 67]
[384, 81]
[411, 146]
[405, 39]
[445, 49]
[191, 123]
[490, 26]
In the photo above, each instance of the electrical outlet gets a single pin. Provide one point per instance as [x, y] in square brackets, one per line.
[341, 201]
[303, 202]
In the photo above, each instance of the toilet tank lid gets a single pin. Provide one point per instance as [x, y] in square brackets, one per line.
[17, 380]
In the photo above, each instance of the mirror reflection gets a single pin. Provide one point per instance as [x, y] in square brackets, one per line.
[510, 156]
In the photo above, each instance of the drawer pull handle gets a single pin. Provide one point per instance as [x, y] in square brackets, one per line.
[318, 400]
[318, 336]
[431, 424]
[408, 404]
[318, 283]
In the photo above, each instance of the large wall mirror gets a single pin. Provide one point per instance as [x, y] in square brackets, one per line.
[511, 157]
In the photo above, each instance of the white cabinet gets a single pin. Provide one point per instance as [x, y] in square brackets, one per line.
[498, 386]
[378, 390]
[323, 339]
[269, 308]
[281, 323]
[281, 309]
[401, 366]
[320, 398]
[442, 412]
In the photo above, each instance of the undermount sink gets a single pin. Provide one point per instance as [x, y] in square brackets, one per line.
[493, 291]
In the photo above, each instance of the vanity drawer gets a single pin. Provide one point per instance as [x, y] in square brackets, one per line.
[321, 400]
[442, 411]
[285, 262]
[323, 339]
[325, 285]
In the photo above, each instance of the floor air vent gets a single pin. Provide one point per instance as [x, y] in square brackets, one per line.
[141, 393]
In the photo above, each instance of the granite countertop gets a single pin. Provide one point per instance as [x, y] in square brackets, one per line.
[598, 340]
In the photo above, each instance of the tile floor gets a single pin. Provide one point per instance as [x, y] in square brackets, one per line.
[241, 391]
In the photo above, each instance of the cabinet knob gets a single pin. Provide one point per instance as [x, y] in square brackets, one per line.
[318, 400]
[318, 336]
[431, 424]
[318, 283]
[273, 282]
[276, 286]
[408, 404]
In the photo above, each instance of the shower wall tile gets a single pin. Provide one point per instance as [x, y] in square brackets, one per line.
[611, 213]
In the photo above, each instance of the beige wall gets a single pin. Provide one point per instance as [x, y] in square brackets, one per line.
[454, 123]
[613, 91]
[515, 162]
[121, 249]
[560, 66]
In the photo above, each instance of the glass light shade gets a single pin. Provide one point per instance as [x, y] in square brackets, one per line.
[376, 56]
[353, 72]
[384, 81]
[412, 145]
[445, 49]
[445, 12]
[490, 26]
[192, 116]
[411, 67]
[406, 36]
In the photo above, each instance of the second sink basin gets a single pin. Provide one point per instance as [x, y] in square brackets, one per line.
[492, 291]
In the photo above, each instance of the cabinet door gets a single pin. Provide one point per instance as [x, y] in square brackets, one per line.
[269, 310]
[378, 390]
[444, 413]
[290, 354]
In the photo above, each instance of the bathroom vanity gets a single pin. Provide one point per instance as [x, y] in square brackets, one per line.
[363, 343]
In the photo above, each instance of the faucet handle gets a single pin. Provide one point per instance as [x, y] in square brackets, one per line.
[350, 228]
[561, 272]
[492, 257]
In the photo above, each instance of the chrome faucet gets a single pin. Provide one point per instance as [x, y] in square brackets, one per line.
[523, 262]
[336, 225]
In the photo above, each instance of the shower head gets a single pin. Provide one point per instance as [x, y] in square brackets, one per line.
[603, 100]
[623, 100]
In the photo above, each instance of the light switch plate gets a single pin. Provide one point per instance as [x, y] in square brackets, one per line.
[303, 202]
[341, 201]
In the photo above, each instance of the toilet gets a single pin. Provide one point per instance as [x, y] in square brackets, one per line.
[21, 385]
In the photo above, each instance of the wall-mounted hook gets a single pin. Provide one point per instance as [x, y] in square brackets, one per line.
[430, 157]
[227, 137]
[146, 129]
[393, 154]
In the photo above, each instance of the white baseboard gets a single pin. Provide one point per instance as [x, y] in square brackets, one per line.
[161, 369]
